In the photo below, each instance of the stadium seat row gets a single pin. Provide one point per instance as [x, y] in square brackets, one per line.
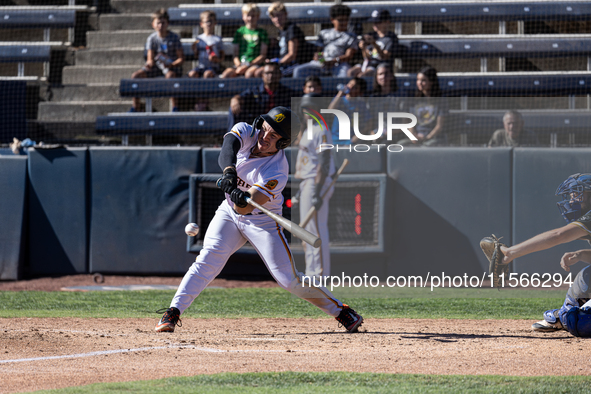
[515, 46]
[459, 123]
[452, 84]
[406, 11]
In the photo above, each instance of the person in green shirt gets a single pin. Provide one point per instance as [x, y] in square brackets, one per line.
[251, 44]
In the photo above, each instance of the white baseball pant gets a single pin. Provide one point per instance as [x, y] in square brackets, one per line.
[226, 233]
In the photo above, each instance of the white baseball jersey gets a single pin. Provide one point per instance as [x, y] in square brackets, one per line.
[309, 149]
[267, 174]
[307, 166]
[228, 231]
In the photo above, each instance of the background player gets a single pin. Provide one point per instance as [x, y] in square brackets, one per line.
[254, 165]
[575, 207]
[315, 169]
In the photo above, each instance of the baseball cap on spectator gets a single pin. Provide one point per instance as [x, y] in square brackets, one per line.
[380, 15]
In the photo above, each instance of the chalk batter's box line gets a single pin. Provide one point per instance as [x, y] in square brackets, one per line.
[144, 349]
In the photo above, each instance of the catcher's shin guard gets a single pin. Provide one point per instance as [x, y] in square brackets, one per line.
[550, 323]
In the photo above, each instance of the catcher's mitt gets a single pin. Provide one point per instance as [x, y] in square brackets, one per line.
[492, 250]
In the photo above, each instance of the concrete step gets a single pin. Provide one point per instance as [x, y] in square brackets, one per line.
[81, 75]
[79, 111]
[87, 111]
[111, 56]
[118, 39]
[135, 6]
[111, 22]
[90, 92]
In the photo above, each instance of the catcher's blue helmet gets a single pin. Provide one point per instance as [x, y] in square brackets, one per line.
[572, 193]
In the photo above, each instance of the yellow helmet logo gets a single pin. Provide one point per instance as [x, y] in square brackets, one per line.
[279, 118]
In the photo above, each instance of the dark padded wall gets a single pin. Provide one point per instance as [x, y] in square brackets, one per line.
[210, 160]
[13, 184]
[370, 162]
[58, 211]
[444, 200]
[537, 174]
[140, 206]
[124, 210]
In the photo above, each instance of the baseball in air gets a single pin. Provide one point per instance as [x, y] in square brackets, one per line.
[192, 229]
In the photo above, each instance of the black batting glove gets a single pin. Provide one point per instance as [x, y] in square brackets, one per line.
[238, 197]
[317, 198]
[229, 181]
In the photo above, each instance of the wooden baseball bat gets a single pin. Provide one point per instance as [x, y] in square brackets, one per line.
[310, 214]
[290, 226]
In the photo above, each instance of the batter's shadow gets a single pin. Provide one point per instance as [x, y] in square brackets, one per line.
[456, 337]
[452, 337]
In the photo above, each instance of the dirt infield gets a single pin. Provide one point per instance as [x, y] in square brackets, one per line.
[52, 353]
[37, 353]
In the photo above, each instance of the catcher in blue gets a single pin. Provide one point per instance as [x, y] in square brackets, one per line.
[575, 207]
[254, 165]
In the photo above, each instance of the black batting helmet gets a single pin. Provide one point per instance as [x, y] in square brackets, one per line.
[279, 118]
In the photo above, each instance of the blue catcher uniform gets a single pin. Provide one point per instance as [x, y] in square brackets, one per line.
[575, 313]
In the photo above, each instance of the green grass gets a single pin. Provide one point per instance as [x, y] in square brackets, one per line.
[276, 302]
[343, 382]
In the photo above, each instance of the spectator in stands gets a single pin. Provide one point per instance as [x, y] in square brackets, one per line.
[348, 100]
[164, 55]
[429, 109]
[379, 46]
[292, 43]
[513, 133]
[249, 104]
[384, 83]
[339, 47]
[385, 94]
[208, 47]
[312, 84]
[250, 42]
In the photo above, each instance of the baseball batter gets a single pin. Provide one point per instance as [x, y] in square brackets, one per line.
[575, 207]
[313, 168]
[254, 165]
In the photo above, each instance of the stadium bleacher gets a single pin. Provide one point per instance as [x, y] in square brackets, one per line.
[465, 123]
[93, 90]
[452, 85]
[475, 46]
[470, 128]
[551, 127]
[402, 11]
[43, 17]
[23, 53]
